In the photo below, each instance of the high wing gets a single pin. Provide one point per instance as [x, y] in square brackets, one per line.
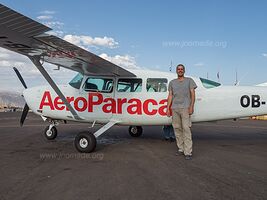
[25, 36]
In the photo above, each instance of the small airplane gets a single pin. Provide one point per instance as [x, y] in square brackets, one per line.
[104, 93]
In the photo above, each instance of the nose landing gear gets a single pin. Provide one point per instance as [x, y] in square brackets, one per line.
[51, 131]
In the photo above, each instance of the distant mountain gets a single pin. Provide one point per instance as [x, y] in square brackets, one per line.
[11, 99]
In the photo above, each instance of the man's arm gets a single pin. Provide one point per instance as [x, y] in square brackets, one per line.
[169, 103]
[191, 107]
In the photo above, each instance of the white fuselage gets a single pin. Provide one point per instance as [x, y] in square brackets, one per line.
[146, 107]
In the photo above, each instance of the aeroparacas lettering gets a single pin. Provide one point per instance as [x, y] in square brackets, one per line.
[132, 106]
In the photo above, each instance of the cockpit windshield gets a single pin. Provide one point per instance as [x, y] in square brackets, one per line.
[76, 81]
[208, 83]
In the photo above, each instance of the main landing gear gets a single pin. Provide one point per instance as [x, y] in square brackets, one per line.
[85, 142]
[135, 131]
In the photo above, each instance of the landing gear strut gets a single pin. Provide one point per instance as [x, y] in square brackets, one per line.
[135, 131]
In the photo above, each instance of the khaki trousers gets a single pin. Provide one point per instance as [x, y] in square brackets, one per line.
[181, 123]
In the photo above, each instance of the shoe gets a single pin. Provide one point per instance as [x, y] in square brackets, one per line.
[188, 157]
[172, 139]
[179, 153]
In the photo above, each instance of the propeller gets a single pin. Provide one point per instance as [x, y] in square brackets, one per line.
[26, 107]
[20, 77]
[24, 114]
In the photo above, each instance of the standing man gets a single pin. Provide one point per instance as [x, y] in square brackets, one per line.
[181, 100]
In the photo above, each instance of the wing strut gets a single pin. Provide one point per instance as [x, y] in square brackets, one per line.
[36, 62]
[105, 128]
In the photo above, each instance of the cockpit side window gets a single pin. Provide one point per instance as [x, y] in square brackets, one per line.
[76, 81]
[104, 85]
[156, 85]
[129, 85]
[208, 83]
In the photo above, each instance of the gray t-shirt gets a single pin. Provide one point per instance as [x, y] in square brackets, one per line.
[181, 92]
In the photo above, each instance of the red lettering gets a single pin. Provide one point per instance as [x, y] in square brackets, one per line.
[135, 108]
[47, 101]
[146, 105]
[163, 108]
[69, 99]
[58, 102]
[109, 107]
[120, 103]
[84, 104]
[92, 102]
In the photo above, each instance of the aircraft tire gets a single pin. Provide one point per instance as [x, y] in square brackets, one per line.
[52, 134]
[85, 142]
[135, 131]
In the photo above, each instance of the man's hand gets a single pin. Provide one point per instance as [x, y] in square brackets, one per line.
[191, 107]
[169, 103]
[168, 112]
[191, 110]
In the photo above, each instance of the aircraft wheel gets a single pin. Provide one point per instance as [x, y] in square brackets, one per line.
[85, 142]
[50, 134]
[135, 131]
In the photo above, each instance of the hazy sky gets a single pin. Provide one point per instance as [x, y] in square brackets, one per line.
[207, 36]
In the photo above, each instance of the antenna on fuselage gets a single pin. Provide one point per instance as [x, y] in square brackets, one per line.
[218, 76]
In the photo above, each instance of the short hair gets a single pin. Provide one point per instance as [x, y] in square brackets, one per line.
[180, 65]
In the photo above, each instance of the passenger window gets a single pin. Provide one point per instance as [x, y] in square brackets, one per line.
[77, 81]
[156, 85]
[104, 85]
[129, 85]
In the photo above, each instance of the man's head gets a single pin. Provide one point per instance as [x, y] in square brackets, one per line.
[180, 70]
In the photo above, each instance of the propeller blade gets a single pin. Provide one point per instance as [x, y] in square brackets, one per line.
[24, 114]
[20, 77]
